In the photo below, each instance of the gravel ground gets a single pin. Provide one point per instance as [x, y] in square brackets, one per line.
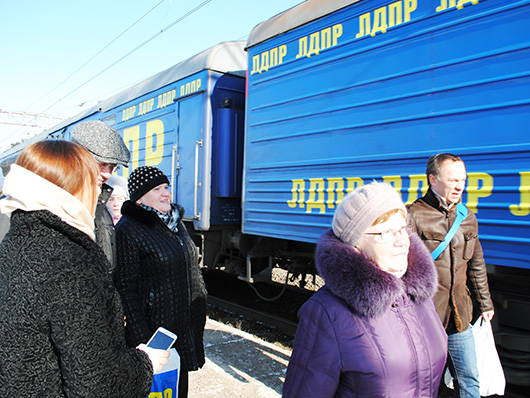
[312, 282]
[258, 329]
[290, 299]
[228, 287]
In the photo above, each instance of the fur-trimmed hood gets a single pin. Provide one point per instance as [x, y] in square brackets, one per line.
[367, 289]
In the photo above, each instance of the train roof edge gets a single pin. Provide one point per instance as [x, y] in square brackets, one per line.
[225, 57]
[294, 17]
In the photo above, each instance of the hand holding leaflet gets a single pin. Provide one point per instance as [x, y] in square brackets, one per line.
[157, 348]
[165, 378]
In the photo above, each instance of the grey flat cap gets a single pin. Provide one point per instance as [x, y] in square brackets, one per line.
[102, 141]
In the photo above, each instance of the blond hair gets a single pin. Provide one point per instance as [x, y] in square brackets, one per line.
[385, 217]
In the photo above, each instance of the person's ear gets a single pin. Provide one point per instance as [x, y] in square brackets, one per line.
[432, 179]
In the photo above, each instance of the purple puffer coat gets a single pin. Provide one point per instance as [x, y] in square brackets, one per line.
[368, 333]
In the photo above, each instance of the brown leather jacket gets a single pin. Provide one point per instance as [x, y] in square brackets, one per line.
[461, 268]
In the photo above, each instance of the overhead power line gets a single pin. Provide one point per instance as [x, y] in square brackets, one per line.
[94, 56]
[132, 51]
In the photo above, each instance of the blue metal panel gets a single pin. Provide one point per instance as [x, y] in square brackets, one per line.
[190, 150]
[344, 100]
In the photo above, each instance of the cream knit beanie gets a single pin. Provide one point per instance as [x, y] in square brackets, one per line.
[357, 211]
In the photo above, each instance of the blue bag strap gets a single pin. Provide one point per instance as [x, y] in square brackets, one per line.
[461, 213]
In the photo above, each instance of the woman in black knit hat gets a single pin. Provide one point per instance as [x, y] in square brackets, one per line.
[157, 272]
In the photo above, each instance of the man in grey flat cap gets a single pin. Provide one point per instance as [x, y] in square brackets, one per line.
[109, 150]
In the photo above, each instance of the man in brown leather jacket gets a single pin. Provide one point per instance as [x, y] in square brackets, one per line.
[461, 268]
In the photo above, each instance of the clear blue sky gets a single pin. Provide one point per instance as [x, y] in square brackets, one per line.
[43, 42]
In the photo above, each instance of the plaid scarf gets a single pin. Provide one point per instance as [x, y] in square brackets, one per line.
[171, 219]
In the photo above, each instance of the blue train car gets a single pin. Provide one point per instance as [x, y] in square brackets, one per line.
[374, 89]
[188, 121]
[341, 93]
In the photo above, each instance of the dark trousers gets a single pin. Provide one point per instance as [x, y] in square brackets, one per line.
[183, 384]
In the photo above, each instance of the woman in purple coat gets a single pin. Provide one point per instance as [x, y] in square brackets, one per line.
[372, 330]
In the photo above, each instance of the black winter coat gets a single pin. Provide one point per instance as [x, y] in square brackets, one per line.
[160, 282]
[61, 320]
[104, 227]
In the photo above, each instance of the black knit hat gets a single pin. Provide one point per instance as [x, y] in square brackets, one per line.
[143, 179]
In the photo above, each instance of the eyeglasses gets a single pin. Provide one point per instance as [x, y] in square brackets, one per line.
[390, 234]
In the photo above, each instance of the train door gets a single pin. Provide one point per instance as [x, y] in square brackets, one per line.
[188, 153]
